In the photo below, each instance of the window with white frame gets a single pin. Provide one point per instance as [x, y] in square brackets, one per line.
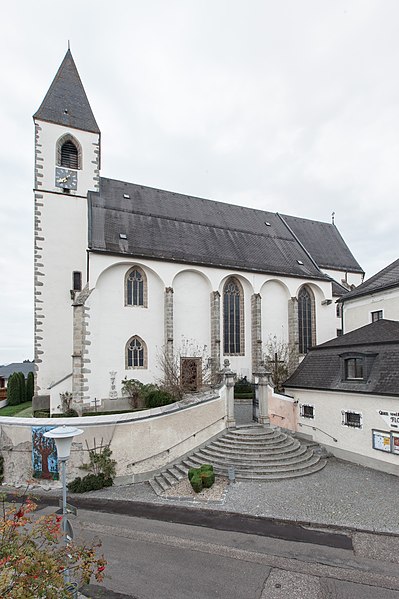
[306, 410]
[376, 315]
[351, 419]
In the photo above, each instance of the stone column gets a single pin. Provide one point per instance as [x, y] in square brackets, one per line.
[256, 331]
[293, 329]
[168, 323]
[215, 336]
[229, 379]
[263, 378]
[80, 359]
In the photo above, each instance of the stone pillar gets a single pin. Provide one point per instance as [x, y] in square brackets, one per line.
[215, 336]
[293, 330]
[168, 323]
[80, 359]
[263, 378]
[229, 379]
[256, 331]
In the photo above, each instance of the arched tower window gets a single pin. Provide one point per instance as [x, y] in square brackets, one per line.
[136, 287]
[69, 152]
[306, 320]
[233, 317]
[136, 353]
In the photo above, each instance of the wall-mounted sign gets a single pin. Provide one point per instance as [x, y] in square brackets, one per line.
[390, 418]
[395, 442]
[382, 441]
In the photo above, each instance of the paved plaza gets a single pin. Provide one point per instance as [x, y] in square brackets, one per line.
[342, 494]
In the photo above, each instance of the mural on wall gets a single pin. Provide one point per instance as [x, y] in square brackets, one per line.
[44, 454]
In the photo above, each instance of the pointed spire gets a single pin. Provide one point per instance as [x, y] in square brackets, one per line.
[66, 102]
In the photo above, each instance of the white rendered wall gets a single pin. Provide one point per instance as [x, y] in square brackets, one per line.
[343, 277]
[275, 298]
[352, 443]
[111, 323]
[357, 312]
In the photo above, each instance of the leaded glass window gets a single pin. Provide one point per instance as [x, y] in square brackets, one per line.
[232, 317]
[136, 288]
[305, 320]
[136, 353]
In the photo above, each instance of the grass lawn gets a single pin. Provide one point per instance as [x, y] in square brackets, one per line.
[26, 408]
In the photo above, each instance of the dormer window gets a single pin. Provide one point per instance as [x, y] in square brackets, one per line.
[354, 368]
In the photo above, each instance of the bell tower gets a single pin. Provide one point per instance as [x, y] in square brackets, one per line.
[67, 167]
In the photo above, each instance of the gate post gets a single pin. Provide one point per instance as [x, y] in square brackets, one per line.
[229, 379]
[263, 381]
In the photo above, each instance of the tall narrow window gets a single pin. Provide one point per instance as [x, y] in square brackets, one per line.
[77, 280]
[136, 353]
[69, 155]
[233, 317]
[136, 288]
[306, 320]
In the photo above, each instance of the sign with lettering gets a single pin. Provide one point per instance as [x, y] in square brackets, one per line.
[390, 418]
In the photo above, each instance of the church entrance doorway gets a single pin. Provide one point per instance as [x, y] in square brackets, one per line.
[190, 373]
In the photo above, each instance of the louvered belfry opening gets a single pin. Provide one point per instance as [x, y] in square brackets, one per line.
[69, 155]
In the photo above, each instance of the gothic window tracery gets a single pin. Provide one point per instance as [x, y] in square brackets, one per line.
[306, 320]
[136, 287]
[136, 353]
[233, 317]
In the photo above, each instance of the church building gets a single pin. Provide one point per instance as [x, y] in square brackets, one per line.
[127, 276]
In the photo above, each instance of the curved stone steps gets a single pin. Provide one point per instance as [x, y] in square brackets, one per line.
[256, 452]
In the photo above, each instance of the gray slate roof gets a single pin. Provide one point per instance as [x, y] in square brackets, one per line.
[324, 242]
[171, 226]
[25, 367]
[322, 366]
[66, 102]
[387, 278]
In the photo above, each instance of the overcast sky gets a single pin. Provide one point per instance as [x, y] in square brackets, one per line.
[284, 105]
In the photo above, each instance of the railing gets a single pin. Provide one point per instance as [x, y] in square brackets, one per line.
[278, 416]
[315, 428]
[168, 450]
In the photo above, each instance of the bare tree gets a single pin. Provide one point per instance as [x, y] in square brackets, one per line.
[280, 359]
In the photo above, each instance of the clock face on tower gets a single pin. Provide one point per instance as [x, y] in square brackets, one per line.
[66, 178]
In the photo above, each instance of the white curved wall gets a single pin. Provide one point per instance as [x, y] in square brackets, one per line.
[191, 313]
[275, 298]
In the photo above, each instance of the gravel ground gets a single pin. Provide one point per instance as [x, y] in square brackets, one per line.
[341, 494]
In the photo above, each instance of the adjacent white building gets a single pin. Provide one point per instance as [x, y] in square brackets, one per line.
[376, 298]
[127, 274]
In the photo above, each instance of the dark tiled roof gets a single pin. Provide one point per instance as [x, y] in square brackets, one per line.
[66, 102]
[324, 243]
[338, 290]
[385, 279]
[378, 342]
[171, 226]
[25, 367]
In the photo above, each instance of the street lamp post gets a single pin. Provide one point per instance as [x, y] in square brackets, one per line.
[63, 437]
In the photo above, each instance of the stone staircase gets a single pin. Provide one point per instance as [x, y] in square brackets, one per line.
[256, 452]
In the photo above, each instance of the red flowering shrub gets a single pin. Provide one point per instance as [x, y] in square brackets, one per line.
[33, 557]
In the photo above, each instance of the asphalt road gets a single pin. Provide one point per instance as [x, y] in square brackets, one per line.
[153, 559]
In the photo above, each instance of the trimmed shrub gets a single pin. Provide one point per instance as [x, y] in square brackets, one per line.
[158, 397]
[191, 473]
[196, 482]
[206, 467]
[21, 385]
[90, 482]
[13, 395]
[30, 386]
[208, 478]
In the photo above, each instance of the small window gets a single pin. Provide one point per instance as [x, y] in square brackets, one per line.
[77, 281]
[339, 332]
[307, 411]
[136, 353]
[354, 369]
[339, 310]
[377, 315]
[352, 419]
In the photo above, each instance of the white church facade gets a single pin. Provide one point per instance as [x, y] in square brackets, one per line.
[126, 274]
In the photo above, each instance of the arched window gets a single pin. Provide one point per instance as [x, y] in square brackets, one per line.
[69, 152]
[136, 353]
[233, 317]
[136, 287]
[306, 320]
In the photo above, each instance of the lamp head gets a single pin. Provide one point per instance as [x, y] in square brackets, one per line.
[63, 437]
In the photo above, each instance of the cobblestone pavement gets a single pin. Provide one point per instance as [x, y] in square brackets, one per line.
[341, 494]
